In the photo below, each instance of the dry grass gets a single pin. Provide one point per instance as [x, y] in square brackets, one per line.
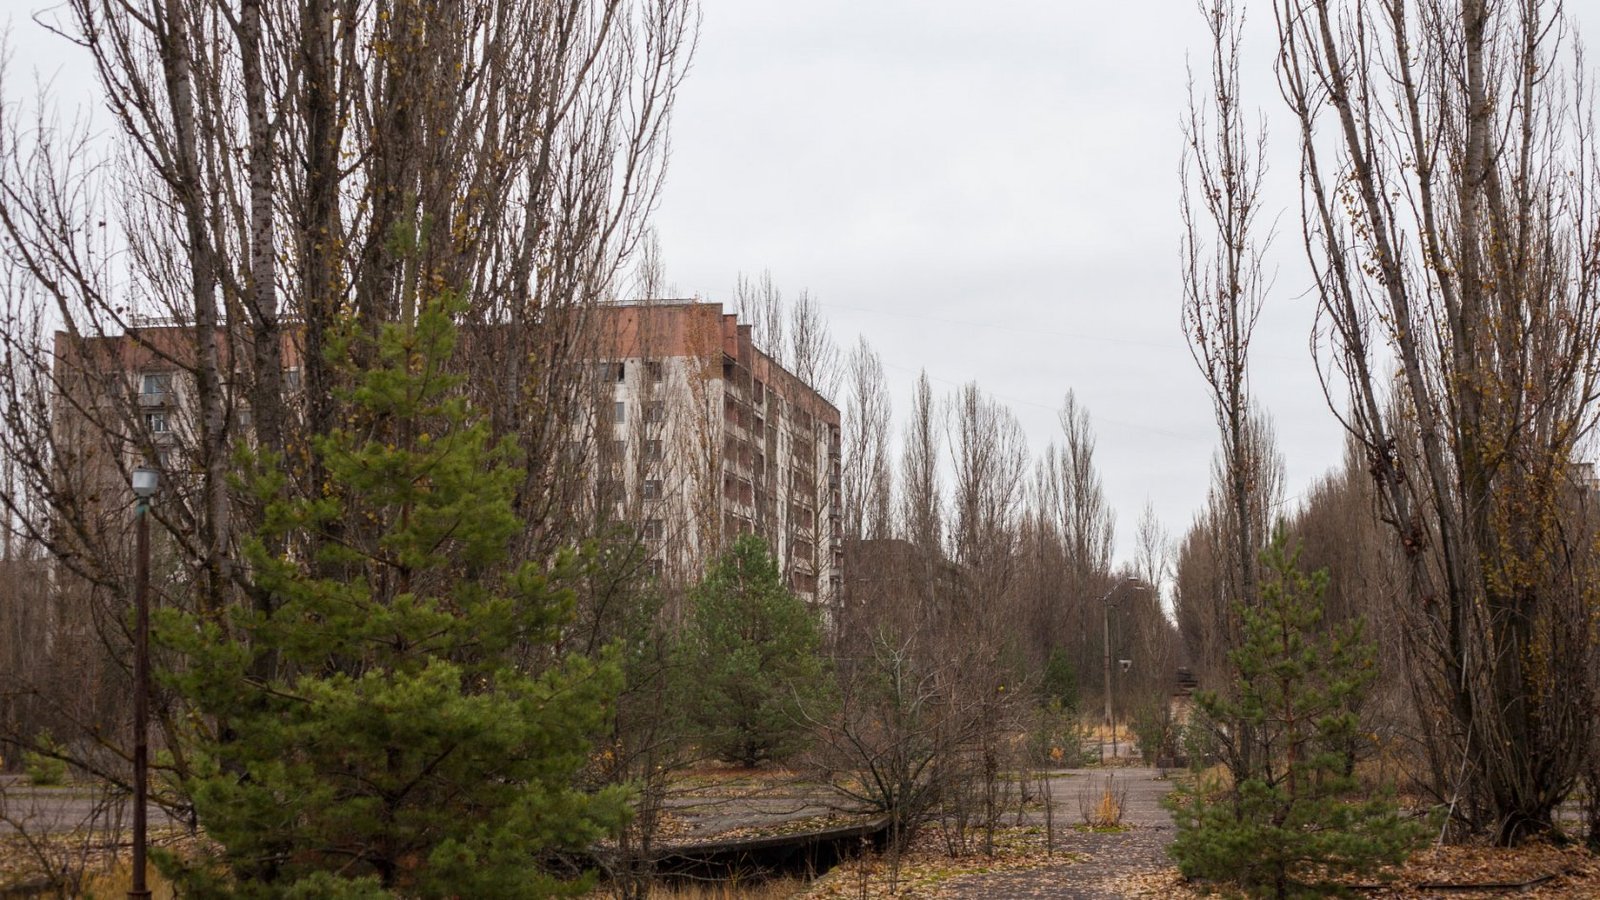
[773, 889]
[926, 867]
[1101, 803]
[115, 882]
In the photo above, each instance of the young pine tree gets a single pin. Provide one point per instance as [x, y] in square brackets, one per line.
[1292, 818]
[752, 651]
[380, 730]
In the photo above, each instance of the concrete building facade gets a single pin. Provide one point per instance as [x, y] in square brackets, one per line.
[711, 438]
[695, 436]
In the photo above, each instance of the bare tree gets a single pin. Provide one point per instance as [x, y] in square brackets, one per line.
[1223, 289]
[760, 302]
[1449, 184]
[1206, 597]
[1152, 561]
[1335, 530]
[1156, 642]
[989, 463]
[813, 356]
[283, 177]
[920, 492]
[1088, 528]
[868, 416]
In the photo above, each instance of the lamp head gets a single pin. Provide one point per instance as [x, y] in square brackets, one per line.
[145, 482]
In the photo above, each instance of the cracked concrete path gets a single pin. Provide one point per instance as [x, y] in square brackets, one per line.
[1101, 860]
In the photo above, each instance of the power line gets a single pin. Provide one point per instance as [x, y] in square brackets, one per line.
[1034, 403]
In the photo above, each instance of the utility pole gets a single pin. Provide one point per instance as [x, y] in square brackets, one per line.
[145, 482]
[1105, 608]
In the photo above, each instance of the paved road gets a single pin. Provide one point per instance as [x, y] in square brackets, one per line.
[1103, 859]
[703, 816]
[54, 810]
[1142, 804]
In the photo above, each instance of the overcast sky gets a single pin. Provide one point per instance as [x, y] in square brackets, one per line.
[990, 192]
[985, 191]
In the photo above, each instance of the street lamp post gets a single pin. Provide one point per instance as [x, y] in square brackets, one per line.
[145, 482]
[1105, 608]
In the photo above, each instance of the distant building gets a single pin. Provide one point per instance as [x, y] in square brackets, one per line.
[696, 435]
[712, 438]
[1587, 476]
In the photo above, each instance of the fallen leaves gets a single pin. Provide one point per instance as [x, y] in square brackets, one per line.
[926, 866]
[1572, 872]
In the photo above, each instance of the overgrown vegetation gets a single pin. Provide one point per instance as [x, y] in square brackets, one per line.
[412, 637]
[420, 736]
[44, 765]
[754, 649]
[1288, 817]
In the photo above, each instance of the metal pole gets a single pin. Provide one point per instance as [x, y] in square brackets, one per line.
[141, 696]
[1105, 609]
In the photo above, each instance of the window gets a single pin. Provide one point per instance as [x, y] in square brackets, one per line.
[155, 383]
[651, 489]
[620, 415]
[155, 388]
[291, 378]
[656, 370]
[656, 412]
[652, 451]
[653, 530]
[156, 423]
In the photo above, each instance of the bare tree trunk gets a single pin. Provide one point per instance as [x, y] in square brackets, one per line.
[279, 170]
[1223, 286]
[1460, 227]
[868, 418]
[1088, 527]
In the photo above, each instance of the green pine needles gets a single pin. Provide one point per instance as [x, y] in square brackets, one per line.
[393, 719]
[752, 657]
[1289, 818]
